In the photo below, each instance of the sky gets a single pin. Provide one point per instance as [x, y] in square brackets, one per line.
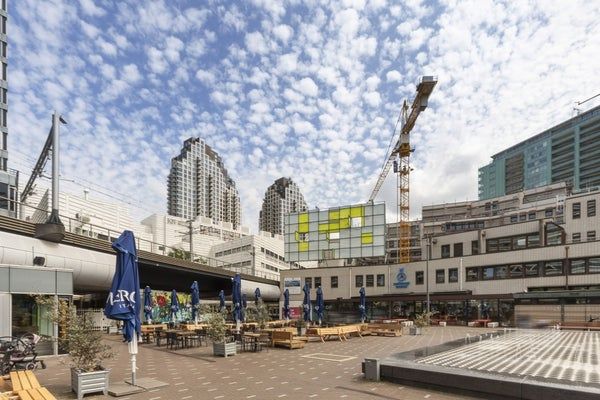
[304, 89]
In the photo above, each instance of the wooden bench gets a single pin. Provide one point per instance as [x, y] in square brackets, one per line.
[36, 394]
[286, 339]
[25, 386]
[386, 329]
[23, 380]
[347, 330]
[326, 333]
[583, 326]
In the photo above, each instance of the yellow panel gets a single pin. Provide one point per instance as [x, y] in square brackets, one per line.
[357, 211]
[323, 228]
[345, 223]
[344, 213]
[334, 226]
[303, 228]
[297, 236]
[366, 238]
[334, 214]
[303, 246]
[303, 217]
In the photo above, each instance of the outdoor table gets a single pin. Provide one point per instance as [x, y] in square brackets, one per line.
[193, 327]
[250, 342]
[186, 335]
[482, 322]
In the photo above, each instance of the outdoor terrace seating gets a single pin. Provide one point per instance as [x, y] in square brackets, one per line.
[287, 339]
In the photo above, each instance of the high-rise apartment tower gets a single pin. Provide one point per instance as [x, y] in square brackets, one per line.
[282, 197]
[199, 185]
[568, 152]
[8, 178]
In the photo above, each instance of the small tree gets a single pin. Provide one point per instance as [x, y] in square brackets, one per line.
[423, 319]
[258, 313]
[77, 336]
[179, 253]
[216, 328]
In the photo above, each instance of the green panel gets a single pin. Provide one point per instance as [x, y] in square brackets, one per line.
[303, 227]
[357, 211]
[344, 213]
[345, 223]
[303, 217]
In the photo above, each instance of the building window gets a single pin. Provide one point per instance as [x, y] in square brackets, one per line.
[577, 267]
[446, 251]
[419, 277]
[472, 274]
[453, 275]
[358, 281]
[504, 244]
[4, 71]
[487, 273]
[370, 280]
[515, 271]
[591, 236]
[317, 281]
[519, 242]
[533, 240]
[440, 276]
[576, 237]
[501, 272]
[308, 281]
[552, 268]
[591, 208]
[531, 216]
[458, 249]
[576, 210]
[4, 141]
[548, 213]
[334, 282]
[491, 245]
[532, 269]
[3, 196]
[594, 265]
[522, 217]
[513, 218]
[380, 280]
[474, 247]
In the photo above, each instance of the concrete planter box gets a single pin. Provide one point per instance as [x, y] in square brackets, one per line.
[224, 349]
[89, 382]
[415, 330]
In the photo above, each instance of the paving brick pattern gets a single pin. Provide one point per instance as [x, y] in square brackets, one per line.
[330, 370]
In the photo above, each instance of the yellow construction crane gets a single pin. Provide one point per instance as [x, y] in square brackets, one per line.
[402, 168]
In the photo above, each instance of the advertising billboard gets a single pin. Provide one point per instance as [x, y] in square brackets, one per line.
[293, 285]
[342, 232]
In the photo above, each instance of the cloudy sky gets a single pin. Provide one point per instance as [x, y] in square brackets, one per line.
[304, 89]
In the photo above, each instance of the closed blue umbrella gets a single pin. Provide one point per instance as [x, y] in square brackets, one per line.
[195, 301]
[148, 304]
[174, 305]
[320, 306]
[362, 306]
[306, 302]
[123, 302]
[221, 301]
[286, 304]
[236, 297]
[244, 306]
[256, 296]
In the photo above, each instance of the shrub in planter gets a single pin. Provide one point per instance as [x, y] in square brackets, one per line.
[420, 322]
[301, 326]
[216, 330]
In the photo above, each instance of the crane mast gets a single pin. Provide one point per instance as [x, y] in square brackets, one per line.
[399, 157]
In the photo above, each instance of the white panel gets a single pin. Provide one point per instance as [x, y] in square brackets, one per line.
[5, 314]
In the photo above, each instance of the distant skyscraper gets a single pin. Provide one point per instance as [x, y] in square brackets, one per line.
[8, 179]
[282, 197]
[199, 185]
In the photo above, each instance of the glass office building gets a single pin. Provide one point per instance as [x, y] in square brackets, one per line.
[568, 152]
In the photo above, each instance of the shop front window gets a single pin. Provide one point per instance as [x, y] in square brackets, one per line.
[31, 316]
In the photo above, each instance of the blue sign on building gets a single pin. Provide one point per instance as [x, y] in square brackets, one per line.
[401, 282]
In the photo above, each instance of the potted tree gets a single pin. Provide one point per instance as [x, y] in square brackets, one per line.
[301, 326]
[420, 321]
[85, 348]
[216, 330]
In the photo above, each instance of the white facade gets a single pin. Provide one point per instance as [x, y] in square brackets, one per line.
[199, 185]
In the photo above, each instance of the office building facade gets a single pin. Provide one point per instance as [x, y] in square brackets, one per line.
[8, 178]
[199, 185]
[282, 197]
[568, 152]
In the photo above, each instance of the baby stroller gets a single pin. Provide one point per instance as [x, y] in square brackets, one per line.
[19, 353]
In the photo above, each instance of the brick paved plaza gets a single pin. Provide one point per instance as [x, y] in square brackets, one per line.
[330, 370]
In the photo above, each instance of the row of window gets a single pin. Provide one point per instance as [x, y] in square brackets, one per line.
[233, 251]
[269, 267]
[590, 236]
[591, 209]
[534, 269]
[359, 281]
[269, 253]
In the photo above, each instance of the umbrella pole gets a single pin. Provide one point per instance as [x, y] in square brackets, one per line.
[133, 350]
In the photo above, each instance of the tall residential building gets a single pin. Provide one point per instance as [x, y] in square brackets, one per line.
[199, 185]
[568, 152]
[282, 197]
[8, 178]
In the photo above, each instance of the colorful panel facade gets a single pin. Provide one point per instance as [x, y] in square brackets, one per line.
[342, 232]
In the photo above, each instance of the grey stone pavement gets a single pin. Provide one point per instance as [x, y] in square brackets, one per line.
[330, 370]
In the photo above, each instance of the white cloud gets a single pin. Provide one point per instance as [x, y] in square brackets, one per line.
[91, 9]
[372, 98]
[283, 32]
[156, 61]
[287, 63]
[255, 43]
[307, 87]
[131, 74]
[108, 48]
[393, 76]
[173, 46]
